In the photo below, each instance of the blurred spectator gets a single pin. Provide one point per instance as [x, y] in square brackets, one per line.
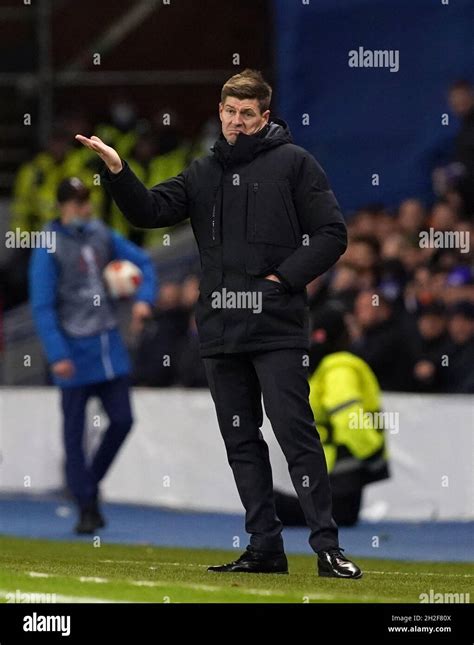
[392, 280]
[33, 205]
[363, 254]
[458, 374]
[363, 222]
[173, 150]
[120, 128]
[344, 286]
[385, 225]
[379, 338]
[207, 137]
[156, 354]
[411, 217]
[443, 216]
[36, 184]
[461, 100]
[81, 340]
[190, 370]
[459, 174]
[455, 200]
[428, 344]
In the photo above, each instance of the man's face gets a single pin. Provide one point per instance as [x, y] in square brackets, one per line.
[367, 313]
[443, 217]
[74, 210]
[411, 215]
[431, 326]
[461, 329]
[461, 101]
[241, 115]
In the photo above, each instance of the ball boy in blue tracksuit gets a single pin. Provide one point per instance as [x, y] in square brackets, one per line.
[76, 322]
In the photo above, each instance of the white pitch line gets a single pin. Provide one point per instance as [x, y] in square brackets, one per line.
[184, 585]
[210, 588]
[424, 573]
[214, 588]
[35, 574]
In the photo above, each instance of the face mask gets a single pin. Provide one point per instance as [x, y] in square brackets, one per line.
[77, 224]
[123, 115]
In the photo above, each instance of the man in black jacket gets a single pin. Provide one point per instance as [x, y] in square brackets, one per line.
[266, 223]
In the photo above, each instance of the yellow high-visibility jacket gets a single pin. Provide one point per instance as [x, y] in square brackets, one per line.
[34, 192]
[343, 389]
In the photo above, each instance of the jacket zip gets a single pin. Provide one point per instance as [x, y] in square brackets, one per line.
[214, 221]
[255, 188]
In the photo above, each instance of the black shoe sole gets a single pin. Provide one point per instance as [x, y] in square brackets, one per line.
[90, 531]
[327, 574]
[83, 532]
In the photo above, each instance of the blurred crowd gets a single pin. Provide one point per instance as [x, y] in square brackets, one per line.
[405, 283]
[410, 310]
[155, 148]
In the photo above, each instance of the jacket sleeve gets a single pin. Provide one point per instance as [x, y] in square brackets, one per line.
[163, 205]
[125, 250]
[42, 292]
[322, 224]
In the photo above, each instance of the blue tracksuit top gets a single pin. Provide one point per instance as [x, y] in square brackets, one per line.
[100, 356]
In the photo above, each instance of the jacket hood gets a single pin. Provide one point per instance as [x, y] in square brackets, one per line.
[247, 147]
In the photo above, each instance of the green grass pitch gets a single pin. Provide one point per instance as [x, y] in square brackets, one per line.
[82, 572]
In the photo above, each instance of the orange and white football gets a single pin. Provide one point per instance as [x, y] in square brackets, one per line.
[122, 278]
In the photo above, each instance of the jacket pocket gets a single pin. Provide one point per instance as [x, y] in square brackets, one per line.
[282, 314]
[269, 218]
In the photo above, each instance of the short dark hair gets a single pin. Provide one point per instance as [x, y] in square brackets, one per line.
[72, 189]
[461, 84]
[248, 84]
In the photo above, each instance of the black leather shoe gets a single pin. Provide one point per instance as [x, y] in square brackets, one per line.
[90, 519]
[87, 523]
[255, 562]
[332, 564]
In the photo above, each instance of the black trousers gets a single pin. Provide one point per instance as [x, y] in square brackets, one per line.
[83, 478]
[237, 382]
[345, 508]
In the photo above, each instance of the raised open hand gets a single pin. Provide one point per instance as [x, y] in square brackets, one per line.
[108, 154]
